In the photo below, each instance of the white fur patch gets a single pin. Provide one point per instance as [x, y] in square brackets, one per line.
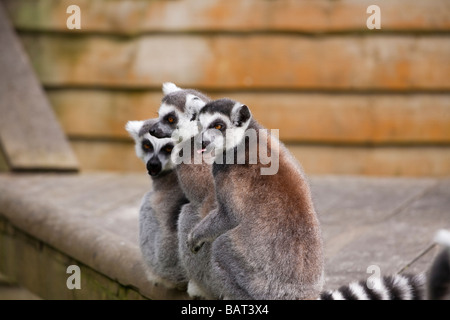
[337, 295]
[379, 287]
[169, 87]
[165, 109]
[133, 128]
[193, 105]
[185, 130]
[442, 237]
[358, 291]
[157, 143]
[194, 291]
[234, 136]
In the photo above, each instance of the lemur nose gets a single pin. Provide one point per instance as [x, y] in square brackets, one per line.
[153, 167]
[155, 131]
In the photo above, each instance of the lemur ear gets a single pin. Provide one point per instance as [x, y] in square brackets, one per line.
[169, 87]
[193, 105]
[242, 115]
[133, 128]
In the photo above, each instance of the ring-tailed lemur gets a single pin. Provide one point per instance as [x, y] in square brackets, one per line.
[265, 235]
[177, 117]
[271, 249]
[160, 208]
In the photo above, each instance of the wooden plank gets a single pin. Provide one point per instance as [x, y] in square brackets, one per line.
[387, 63]
[30, 136]
[317, 16]
[355, 119]
[300, 117]
[97, 114]
[316, 159]
[107, 156]
[380, 161]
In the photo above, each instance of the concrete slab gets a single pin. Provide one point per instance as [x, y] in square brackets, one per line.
[390, 239]
[93, 219]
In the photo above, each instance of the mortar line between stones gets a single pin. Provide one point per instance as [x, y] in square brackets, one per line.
[402, 207]
[424, 252]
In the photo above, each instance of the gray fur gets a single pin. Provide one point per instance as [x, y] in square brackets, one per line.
[158, 231]
[178, 98]
[198, 186]
[264, 234]
[147, 124]
[159, 212]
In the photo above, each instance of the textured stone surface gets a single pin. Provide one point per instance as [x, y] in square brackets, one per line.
[51, 221]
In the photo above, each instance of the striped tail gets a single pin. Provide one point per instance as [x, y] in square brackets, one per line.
[396, 287]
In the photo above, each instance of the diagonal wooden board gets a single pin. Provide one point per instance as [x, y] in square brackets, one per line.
[30, 136]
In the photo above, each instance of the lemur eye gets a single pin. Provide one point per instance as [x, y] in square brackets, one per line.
[170, 119]
[218, 126]
[146, 145]
[168, 149]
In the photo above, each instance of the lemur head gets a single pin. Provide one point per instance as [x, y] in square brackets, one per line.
[154, 152]
[223, 123]
[179, 108]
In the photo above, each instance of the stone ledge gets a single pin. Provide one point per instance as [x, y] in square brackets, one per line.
[36, 222]
[42, 270]
[51, 221]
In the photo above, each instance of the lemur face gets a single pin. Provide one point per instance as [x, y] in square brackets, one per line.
[223, 124]
[178, 111]
[214, 130]
[167, 122]
[154, 152]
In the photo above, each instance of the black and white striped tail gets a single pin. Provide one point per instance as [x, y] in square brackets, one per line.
[396, 287]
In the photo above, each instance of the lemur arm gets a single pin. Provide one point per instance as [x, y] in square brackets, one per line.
[217, 222]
